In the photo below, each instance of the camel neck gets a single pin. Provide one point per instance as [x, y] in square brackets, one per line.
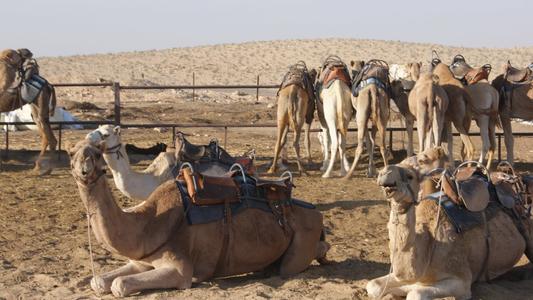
[118, 161]
[111, 225]
[407, 246]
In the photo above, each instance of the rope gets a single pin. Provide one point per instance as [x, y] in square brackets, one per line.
[90, 244]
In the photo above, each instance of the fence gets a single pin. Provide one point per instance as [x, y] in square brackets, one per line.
[117, 88]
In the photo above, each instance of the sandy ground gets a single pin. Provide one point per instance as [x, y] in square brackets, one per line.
[43, 235]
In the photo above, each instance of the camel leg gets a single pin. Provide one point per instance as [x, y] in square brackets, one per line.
[455, 287]
[280, 143]
[371, 167]
[508, 137]
[36, 116]
[483, 124]
[492, 140]
[409, 122]
[296, 148]
[382, 286]
[465, 138]
[421, 125]
[345, 165]
[333, 148]
[307, 127]
[382, 128]
[160, 278]
[449, 139]
[362, 121]
[325, 147]
[101, 284]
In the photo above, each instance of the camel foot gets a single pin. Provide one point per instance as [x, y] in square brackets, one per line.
[271, 171]
[327, 175]
[99, 286]
[118, 288]
[42, 167]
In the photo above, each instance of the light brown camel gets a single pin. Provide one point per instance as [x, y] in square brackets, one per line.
[296, 107]
[166, 252]
[516, 101]
[426, 103]
[478, 101]
[42, 107]
[431, 262]
[371, 104]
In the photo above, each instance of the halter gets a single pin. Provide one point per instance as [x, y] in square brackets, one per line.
[115, 150]
[91, 179]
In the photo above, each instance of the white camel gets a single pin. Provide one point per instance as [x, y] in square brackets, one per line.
[135, 185]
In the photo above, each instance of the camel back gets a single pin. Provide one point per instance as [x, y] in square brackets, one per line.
[375, 72]
[299, 75]
[211, 198]
[471, 197]
[467, 74]
[333, 69]
[515, 75]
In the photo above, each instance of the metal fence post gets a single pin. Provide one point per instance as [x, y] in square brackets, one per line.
[500, 147]
[225, 136]
[390, 139]
[6, 155]
[116, 90]
[193, 90]
[257, 90]
[59, 142]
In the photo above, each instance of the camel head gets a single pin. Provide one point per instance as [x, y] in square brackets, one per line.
[11, 57]
[86, 162]
[313, 75]
[356, 66]
[401, 182]
[414, 70]
[105, 133]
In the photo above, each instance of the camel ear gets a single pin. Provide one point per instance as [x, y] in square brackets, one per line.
[352, 63]
[116, 130]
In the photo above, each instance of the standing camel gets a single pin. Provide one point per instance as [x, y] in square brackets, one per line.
[370, 100]
[334, 111]
[43, 106]
[296, 107]
[166, 249]
[516, 100]
[483, 102]
[426, 103]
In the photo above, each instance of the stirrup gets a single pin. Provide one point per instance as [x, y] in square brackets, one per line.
[189, 165]
[285, 175]
[238, 165]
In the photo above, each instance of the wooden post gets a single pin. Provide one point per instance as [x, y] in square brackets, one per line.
[173, 135]
[116, 90]
[257, 90]
[193, 89]
[390, 139]
[225, 136]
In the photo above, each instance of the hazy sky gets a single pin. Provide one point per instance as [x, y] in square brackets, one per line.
[65, 27]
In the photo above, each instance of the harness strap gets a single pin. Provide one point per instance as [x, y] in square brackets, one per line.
[485, 270]
[115, 150]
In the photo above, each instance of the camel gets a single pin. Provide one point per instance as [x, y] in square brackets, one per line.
[409, 71]
[334, 112]
[42, 107]
[429, 259]
[296, 106]
[479, 100]
[371, 104]
[426, 103]
[516, 101]
[133, 184]
[165, 251]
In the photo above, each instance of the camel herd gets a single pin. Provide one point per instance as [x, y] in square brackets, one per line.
[203, 213]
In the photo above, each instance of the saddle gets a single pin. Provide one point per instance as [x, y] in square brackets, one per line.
[375, 71]
[332, 69]
[468, 188]
[515, 75]
[212, 152]
[467, 74]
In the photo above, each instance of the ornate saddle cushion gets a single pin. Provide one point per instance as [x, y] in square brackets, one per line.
[478, 74]
[518, 75]
[333, 68]
[467, 74]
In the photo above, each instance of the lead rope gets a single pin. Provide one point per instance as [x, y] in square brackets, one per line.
[90, 244]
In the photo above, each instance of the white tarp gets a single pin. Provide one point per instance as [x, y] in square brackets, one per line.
[24, 115]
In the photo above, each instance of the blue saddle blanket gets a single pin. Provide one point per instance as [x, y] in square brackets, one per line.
[31, 88]
[197, 214]
[372, 80]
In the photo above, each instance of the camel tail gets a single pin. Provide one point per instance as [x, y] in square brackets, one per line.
[341, 107]
[53, 100]
[291, 106]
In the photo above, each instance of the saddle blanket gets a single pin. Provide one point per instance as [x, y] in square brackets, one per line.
[31, 88]
[372, 80]
[197, 214]
[461, 218]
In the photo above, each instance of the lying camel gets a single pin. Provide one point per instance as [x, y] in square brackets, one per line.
[516, 101]
[296, 107]
[372, 103]
[165, 251]
[426, 103]
[135, 185]
[429, 258]
[334, 112]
